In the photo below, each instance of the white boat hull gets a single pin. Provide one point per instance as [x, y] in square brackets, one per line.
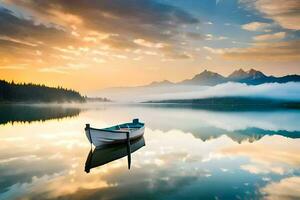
[100, 137]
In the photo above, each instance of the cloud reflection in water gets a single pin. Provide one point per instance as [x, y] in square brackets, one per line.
[179, 161]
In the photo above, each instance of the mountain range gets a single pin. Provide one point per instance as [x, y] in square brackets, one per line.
[201, 86]
[251, 77]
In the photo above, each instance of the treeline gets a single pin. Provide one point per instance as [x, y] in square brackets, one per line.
[34, 93]
[232, 103]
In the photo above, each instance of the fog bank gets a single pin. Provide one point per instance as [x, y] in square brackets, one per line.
[285, 91]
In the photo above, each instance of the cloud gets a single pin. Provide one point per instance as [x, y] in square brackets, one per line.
[276, 51]
[171, 52]
[21, 37]
[194, 35]
[258, 169]
[149, 44]
[58, 70]
[26, 31]
[63, 69]
[137, 19]
[111, 25]
[212, 37]
[208, 58]
[284, 12]
[121, 43]
[13, 67]
[254, 26]
[209, 23]
[10, 39]
[214, 50]
[287, 188]
[18, 37]
[265, 155]
[273, 36]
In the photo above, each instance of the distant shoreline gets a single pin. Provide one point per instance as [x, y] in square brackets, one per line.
[231, 103]
[51, 103]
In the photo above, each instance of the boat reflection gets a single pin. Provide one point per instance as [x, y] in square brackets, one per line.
[108, 153]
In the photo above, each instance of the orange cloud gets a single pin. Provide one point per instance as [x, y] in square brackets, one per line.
[277, 51]
[254, 26]
[284, 12]
[285, 189]
[273, 36]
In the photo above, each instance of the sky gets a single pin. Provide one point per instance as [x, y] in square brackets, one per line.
[89, 45]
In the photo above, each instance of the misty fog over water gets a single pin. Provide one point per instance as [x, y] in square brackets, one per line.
[282, 91]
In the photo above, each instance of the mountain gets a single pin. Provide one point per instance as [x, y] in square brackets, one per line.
[161, 83]
[254, 77]
[238, 75]
[251, 77]
[288, 78]
[188, 88]
[205, 78]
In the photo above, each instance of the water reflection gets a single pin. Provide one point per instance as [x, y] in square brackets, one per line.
[108, 153]
[190, 154]
[249, 125]
[206, 125]
[27, 113]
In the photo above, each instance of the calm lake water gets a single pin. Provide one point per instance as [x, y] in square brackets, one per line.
[189, 153]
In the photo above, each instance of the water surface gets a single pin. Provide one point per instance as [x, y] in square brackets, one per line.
[189, 153]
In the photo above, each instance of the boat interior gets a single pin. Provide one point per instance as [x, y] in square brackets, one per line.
[127, 126]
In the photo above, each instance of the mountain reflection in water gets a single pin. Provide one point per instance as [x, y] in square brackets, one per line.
[108, 153]
[205, 124]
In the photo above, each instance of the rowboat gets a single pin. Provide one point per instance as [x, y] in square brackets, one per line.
[108, 153]
[116, 134]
